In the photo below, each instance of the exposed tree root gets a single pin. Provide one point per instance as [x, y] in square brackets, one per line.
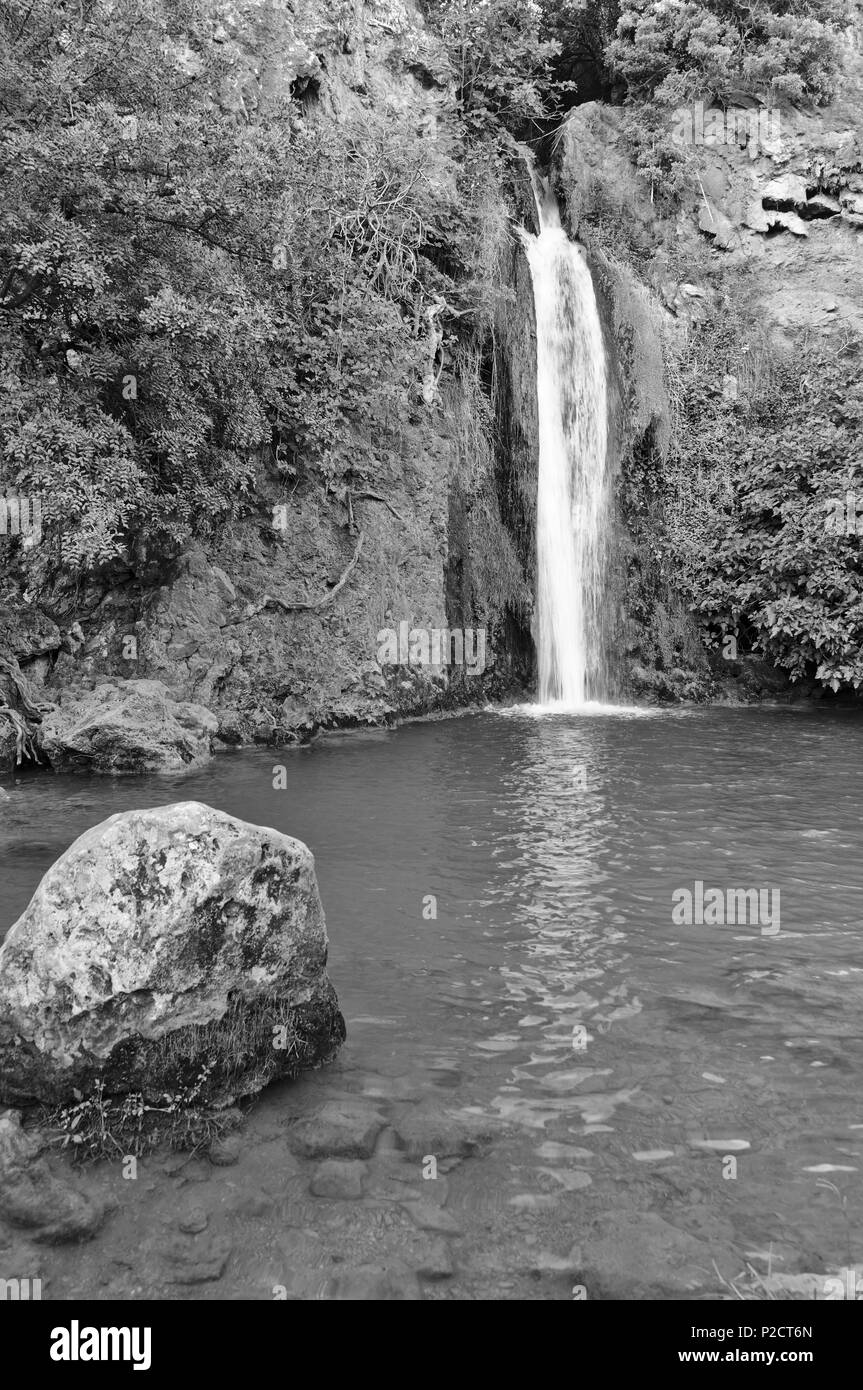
[376, 497]
[24, 745]
[306, 606]
[15, 687]
[26, 698]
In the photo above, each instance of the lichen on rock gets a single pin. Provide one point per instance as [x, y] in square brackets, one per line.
[130, 726]
[175, 954]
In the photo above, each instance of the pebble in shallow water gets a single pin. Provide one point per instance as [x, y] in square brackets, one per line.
[197, 1259]
[721, 1145]
[226, 1151]
[635, 1255]
[373, 1283]
[431, 1258]
[337, 1129]
[546, 1262]
[534, 1201]
[426, 1129]
[398, 1179]
[570, 1179]
[193, 1221]
[428, 1217]
[51, 1208]
[341, 1178]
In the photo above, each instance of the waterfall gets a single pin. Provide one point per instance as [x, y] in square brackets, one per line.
[572, 491]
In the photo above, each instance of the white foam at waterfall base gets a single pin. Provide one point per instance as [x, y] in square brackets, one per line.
[572, 489]
[590, 709]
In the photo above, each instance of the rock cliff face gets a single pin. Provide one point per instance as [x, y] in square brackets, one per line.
[773, 219]
[429, 546]
[275, 627]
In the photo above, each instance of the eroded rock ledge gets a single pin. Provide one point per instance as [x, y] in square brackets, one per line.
[127, 727]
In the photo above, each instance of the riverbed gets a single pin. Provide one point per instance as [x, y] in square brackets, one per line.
[641, 1108]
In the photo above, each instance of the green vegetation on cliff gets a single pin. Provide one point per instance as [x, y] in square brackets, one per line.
[181, 289]
[189, 288]
[680, 50]
[768, 550]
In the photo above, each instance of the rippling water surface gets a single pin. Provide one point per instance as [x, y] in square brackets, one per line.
[625, 1058]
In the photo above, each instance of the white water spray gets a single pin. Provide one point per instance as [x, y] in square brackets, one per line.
[572, 493]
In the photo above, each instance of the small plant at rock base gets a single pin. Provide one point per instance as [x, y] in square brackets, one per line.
[99, 1126]
[194, 1075]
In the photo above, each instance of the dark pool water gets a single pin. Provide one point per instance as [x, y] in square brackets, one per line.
[626, 1058]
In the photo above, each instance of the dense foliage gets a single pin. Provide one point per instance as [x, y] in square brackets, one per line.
[767, 540]
[180, 289]
[502, 59]
[183, 291]
[677, 50]
[670, 54]
[760, 487]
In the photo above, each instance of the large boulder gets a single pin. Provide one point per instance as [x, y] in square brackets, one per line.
[128, 727]
[169, 952]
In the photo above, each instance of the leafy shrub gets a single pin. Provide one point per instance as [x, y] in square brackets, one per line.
[180, 292]
[677, 50]
[751, 490]
[99, 1126]
[503, 61]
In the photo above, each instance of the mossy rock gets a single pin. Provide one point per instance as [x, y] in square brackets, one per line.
[175, 954]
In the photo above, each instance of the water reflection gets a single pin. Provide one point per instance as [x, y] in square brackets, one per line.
[498, 893]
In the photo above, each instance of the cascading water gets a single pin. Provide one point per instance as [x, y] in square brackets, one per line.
[572, 493]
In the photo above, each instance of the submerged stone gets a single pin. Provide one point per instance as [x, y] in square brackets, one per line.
[432, 1259]
[373, 1283]
[428, 1217]
[51, 1209]
[224, 1152]
[193, 1221]
[176, 953]
[428, 1130]
[638, 1255]
[338, 1129]
[341, 1178]
[197, 1260]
